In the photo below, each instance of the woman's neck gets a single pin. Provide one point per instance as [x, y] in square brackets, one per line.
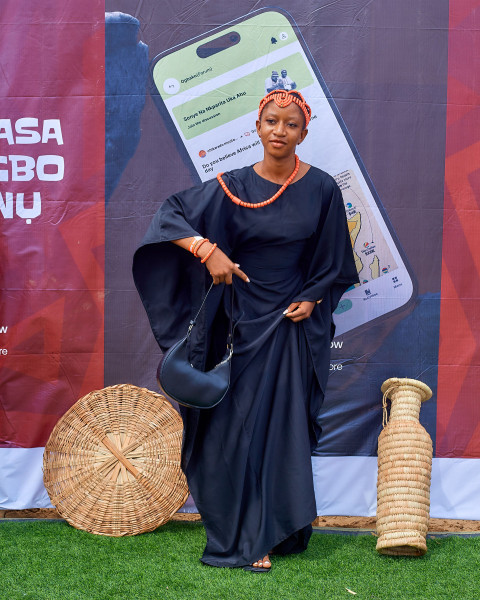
[275, 169]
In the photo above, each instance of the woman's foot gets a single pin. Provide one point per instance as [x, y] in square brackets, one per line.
[260, 566]
[263, 563]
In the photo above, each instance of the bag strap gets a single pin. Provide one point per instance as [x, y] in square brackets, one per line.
[193, 322]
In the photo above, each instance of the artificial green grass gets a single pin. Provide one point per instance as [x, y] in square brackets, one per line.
[49, 560]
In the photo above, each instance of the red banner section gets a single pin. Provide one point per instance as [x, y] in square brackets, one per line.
[51, 213]
[458, 410]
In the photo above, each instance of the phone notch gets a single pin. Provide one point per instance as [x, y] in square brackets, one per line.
[228, 40]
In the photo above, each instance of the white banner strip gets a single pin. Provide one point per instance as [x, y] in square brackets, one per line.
[21, 479]
[344, 485]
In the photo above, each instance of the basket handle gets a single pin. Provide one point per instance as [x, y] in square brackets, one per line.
[384, 405]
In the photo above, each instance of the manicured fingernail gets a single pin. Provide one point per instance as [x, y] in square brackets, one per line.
[248, 280]
[237, 265]
[285, 312]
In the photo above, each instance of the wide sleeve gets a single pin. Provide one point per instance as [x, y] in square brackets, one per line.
[171, 282]
[329, 264]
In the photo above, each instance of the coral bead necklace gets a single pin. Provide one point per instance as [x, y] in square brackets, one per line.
[260, 204]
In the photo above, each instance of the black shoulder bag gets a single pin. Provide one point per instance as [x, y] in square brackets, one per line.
[181, 381]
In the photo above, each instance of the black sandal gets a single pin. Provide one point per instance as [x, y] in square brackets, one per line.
[253, 569]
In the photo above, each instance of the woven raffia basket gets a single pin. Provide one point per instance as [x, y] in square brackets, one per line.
[404, 470]
[112, 463]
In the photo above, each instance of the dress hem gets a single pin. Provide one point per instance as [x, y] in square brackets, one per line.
[218, 564]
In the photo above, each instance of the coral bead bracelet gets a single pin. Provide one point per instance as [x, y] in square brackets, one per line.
[197, 247]
[209, 253]
[197, 241]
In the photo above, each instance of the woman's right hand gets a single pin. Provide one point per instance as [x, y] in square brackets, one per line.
[220, 267]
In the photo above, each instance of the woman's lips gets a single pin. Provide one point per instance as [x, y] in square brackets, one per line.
[277, 143]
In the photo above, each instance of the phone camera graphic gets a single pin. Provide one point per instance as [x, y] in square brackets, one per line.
[171, 85]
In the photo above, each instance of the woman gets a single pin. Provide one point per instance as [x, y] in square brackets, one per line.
[278, 232]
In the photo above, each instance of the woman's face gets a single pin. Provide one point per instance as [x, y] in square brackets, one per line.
[281, 129]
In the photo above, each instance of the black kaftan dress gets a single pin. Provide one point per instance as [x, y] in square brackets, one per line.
[247, 460]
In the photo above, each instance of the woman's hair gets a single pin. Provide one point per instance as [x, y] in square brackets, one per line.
[283, 98]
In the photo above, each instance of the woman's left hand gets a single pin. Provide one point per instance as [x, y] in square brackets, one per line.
[298, 311]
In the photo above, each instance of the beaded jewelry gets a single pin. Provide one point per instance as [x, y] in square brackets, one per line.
[283, 98]
[195, 241]
[197, 248]
[265, 202]
[209, 254]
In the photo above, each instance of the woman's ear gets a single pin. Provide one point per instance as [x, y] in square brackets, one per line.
[303, 135]
[258, 126]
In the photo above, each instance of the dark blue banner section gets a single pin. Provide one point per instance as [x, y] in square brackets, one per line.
[376, 76]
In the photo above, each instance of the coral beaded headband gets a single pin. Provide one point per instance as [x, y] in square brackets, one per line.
[283, 98]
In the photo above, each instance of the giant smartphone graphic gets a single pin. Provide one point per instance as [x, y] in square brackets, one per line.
[208, 90]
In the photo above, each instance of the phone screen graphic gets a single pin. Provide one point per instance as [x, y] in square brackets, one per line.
[208, 90]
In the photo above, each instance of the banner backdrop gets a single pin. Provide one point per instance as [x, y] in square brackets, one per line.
[52, 227]
[99, 124]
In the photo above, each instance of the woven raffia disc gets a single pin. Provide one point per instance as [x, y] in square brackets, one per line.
[112, 463]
